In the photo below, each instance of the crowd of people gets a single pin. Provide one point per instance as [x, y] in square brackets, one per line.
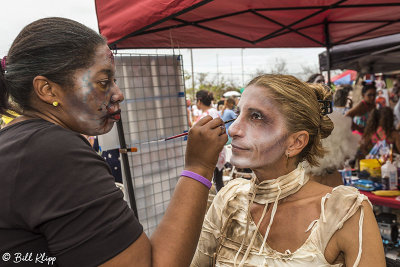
[58, 197]
[376, 118]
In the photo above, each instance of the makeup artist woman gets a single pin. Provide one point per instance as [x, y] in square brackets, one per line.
[280, 218]
[57, 196]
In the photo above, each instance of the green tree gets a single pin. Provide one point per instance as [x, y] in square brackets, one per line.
[280, 67]
[217, 86]
[190, 91]
[307, 71]
[203, 81]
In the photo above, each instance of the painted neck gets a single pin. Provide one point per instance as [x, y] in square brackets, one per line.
[280, 168]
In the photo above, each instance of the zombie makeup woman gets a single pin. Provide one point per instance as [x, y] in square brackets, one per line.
[280, 218]
[57, 196]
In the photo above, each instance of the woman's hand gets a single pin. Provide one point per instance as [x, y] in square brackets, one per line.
[205, 141]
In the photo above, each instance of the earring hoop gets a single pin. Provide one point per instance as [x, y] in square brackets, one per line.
[55, 103]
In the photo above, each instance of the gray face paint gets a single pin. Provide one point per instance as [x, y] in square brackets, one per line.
[87, 87]
[259, 133]
[90, 104]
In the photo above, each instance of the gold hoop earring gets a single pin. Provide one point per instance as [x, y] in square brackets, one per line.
[55, 103]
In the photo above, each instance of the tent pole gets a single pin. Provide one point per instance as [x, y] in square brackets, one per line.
[328, 54]
[191, 59]
[217, 71]
[241, 52]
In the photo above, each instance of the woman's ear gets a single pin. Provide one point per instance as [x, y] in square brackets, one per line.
[45, 89]
[297, 142]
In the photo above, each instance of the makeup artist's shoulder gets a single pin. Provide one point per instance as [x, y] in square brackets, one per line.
[61, 139]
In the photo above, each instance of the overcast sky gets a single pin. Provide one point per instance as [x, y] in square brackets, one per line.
[16, 14]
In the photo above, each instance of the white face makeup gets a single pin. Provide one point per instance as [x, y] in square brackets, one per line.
[259, 133]
[93, 106]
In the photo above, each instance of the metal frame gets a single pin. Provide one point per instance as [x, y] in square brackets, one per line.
[160, 21]
[283, 30]
[147, 143]
[328, 47]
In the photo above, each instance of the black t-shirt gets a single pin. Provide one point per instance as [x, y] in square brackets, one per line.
[58, 199]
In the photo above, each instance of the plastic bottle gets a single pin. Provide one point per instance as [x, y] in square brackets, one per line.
[389, 171]
[396, 163]
[347, 173]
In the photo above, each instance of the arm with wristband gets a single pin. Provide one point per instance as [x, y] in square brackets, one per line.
[174, 241]
[185, 214]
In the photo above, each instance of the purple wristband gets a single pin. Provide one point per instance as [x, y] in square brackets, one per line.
[197, 177]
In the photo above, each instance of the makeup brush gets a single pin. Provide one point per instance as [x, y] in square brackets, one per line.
[184, 134]
[134, 149]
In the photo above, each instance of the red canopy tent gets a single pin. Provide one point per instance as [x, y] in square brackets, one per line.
[244, 23]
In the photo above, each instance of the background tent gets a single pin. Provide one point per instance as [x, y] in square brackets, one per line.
[231, 93]
[369, 56]
[244, 23]
[346, 77]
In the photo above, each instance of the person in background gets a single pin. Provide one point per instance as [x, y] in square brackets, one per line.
[57, 195]
[204, 100]
[189, 112]
[227, 112]
[316, 78]
[380, 82]
[380, 100]
[235, 108]
[394, 93]
[349, 89]
[220, 106]
[396, 107]
[380, 127]
[280, 218]
[195, 113]
[359, 113]
[340, 101]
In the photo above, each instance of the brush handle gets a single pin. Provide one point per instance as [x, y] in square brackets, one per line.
[176, 136]
[228, 121]
[184, 134]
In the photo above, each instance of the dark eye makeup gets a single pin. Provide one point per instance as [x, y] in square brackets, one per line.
[105, 84]
[254, 115]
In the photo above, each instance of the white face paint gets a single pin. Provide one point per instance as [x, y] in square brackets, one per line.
[93, 105]
[259, 133]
